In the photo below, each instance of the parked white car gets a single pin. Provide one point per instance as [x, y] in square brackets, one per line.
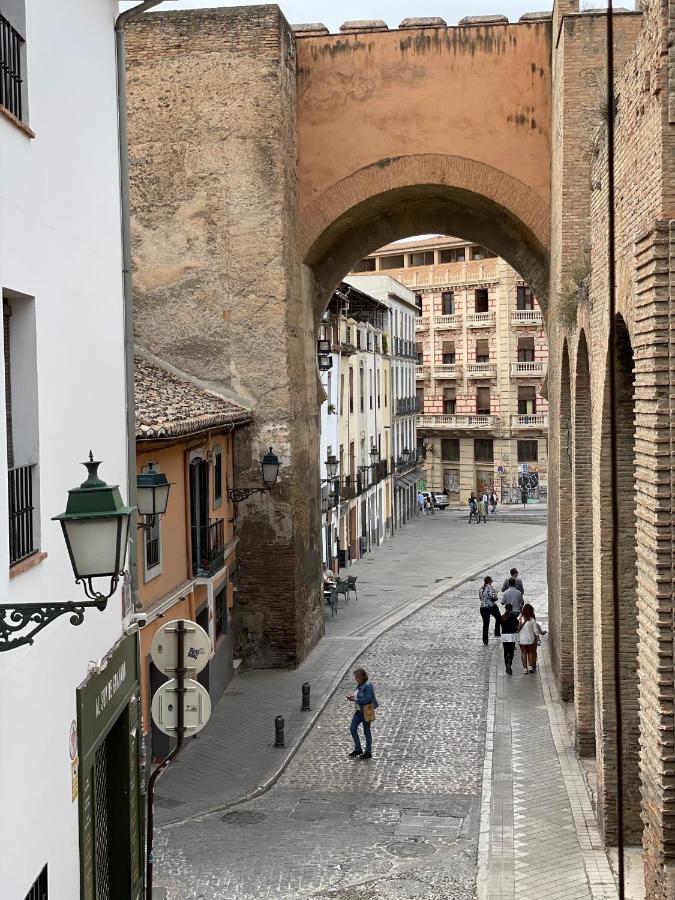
[440, 501]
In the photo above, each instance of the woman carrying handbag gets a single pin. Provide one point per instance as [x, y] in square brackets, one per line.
[366, 704]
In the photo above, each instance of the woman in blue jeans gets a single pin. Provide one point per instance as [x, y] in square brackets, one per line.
[365, 695]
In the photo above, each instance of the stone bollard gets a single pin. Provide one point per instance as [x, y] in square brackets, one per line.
[305, 696]
[279, 732]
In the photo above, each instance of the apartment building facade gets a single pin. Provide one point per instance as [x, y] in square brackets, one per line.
[482, 355]
[357, 503]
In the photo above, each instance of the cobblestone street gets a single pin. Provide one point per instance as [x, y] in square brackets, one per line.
[404, 825]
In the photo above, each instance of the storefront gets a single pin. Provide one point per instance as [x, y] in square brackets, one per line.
[108, 784]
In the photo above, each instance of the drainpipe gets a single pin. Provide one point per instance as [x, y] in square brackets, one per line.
[123, 144]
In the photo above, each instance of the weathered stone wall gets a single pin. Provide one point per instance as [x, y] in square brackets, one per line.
[217, 280]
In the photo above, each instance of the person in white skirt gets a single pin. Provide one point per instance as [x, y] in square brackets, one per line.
[529, 632]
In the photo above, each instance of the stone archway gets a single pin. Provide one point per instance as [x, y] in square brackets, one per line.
[394, 198]
[582, 568]
[604, 612]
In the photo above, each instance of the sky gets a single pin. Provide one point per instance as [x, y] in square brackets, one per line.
[333, 14]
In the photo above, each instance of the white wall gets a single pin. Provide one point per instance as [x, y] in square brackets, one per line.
[60, 244]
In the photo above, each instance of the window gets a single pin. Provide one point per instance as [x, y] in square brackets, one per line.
[448, 353]
[418, 302]
[13, 94]
[481, 300]
[218, 474]
[524, 298]
[391, 262]
[481, 253]
[358, 338]
[370, 395]
[420, 353]
[220, 609]
[483, 401]
[483, 450]
[21, 417]
[365, 265]
[451, 255]
[39, 889]
[449, 402]
[342, 393]
[152, 543]
[448, 303]
[527, 401]
[450, 449]
[378, 390]
[528, 451]
[482, 351]
[526, 349]
[422, 259]
[362, 390]
[419, 393]
[351, 389]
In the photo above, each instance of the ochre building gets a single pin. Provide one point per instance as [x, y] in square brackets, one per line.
[482, 355]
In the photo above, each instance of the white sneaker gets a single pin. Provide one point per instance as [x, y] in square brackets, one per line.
[530, 670]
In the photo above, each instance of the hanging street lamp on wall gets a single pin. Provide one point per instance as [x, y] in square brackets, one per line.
[152, 495]
[96, 530]
[270, 474]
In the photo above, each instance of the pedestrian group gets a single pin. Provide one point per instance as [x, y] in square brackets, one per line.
[481, 507]
[516, 625]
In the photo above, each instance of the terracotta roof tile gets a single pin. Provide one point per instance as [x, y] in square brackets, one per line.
[170, 406]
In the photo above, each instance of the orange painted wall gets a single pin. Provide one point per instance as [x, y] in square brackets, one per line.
[479, 92]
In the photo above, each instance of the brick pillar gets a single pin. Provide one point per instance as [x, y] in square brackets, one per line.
[583, 556]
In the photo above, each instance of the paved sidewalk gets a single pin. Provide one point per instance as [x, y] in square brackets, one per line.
[234, 756]
[539, 836]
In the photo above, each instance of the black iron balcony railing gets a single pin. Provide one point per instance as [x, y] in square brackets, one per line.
[407, 406]
[10, 68]
[21, 527]
[208, 548]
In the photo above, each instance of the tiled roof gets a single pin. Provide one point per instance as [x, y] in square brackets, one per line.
[170, 406]
[410, 246]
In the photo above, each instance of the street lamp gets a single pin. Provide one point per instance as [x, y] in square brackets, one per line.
[270, 474]
[152, 494]
[332, 466]
[96, 529]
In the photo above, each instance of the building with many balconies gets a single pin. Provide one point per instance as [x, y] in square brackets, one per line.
[481, 365]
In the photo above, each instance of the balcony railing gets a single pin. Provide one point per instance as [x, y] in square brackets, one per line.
[447, 370]
[10, 69]
[421, 322]
[450, 321]
[536, 420]
[208, 548]
[407, 406]
[480, 370]
[480, 320]
[421, 371]
[527, 369]
[457, 422]
[21, 509]
[527, 317]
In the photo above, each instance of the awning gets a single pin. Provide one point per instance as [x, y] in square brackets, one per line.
[408, 479]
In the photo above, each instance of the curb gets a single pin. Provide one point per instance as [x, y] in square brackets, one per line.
[486, 789]
[434, 594]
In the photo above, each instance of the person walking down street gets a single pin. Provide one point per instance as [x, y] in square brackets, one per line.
[519, 582]
[512, 596]
[486, 506]
[427, 506]
[509, 636]
[473, 509]
[366, 704]
[523, 496]
[420, 501]
[487, 596]
[529, 633]
[493, 503]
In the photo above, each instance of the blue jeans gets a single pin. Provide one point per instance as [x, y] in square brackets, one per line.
[357, 719]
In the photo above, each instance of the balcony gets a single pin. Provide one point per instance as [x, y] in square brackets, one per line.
[208, 548]
[536, 420]
[449, 321]
[421, 323]
[528, 369]
[481, 320]
[457, 422]
[527, 317]
[421, 371]
[480, 370]
[407, 406]
[447, 370]
[20, 496]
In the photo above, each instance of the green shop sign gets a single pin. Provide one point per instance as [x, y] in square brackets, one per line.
[108, 729]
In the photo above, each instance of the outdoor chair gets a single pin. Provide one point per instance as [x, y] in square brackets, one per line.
[342, 587]
[351, 584]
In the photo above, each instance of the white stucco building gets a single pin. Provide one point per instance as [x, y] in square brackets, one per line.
[62, 748]
[400, 302]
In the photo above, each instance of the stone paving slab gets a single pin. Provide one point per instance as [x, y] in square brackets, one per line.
[234, 756]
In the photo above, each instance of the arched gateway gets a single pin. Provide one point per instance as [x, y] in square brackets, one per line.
[266, 160]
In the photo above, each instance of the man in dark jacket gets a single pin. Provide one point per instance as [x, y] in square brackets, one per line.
[518, 581]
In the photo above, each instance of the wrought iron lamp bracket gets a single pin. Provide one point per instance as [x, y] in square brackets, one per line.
[15, 618]
[236, 495]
